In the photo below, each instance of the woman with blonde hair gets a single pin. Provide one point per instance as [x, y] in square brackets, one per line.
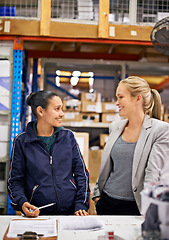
[135, 152]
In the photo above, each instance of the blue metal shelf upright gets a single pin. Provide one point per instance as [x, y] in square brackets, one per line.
[15, 105]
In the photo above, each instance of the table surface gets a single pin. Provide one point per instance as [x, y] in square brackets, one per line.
[124, 227]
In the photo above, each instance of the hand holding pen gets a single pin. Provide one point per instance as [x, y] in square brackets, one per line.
[32, 211]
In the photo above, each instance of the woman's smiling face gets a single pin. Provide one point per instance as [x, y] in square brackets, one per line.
[126, 103]
[53, 114]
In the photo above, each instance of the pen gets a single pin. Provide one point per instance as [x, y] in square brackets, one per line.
[45, 206]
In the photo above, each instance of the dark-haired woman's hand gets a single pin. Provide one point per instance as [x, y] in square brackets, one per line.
[30, 210]
[81, 213]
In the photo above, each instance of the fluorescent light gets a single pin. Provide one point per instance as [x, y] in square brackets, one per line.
[91, 81]
[91, 74]
[76, 73]
[57, 79]
[74, 81]
[58, 72]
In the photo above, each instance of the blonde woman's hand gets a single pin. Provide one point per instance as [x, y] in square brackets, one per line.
[30, 210]
[81, 213]
[96, 199]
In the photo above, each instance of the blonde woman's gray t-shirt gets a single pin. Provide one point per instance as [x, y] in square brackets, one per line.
[119, 183]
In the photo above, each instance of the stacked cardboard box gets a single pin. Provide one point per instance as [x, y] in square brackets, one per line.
[72, 116]
[72, 105]
[71, 109]
[109, 112]
[95, 157]
[82, 139]
[91, 102]
[91, 106]
[103, 139]
[86, 109]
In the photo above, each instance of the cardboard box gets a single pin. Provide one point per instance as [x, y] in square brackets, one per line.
[103, 139]
[110, 117]
[92, 209]
[72, 116]
[92, 117]
[72, 105]
[166, 117]
[95, 157]
[109, 107]
[91, 107]
[90, 97]
[82, 139]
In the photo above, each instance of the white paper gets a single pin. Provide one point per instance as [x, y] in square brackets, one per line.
[81, 223]
[45, 227]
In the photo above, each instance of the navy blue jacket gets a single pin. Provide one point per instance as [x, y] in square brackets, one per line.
[41, 179]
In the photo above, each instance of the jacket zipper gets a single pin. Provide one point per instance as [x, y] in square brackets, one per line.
[51, 163]
[51, 160]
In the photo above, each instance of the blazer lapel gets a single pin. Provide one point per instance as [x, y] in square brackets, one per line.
[141, 143]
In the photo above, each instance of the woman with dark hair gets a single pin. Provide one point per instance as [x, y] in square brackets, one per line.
[46, 166]
[135, 151]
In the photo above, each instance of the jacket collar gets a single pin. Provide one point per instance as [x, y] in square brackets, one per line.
[31, 135]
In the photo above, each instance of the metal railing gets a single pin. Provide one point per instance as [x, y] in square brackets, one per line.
[152, 11]
[20, 8]
[121, 11]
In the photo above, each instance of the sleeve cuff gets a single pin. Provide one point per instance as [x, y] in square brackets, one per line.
[21, 202]
[81, 206]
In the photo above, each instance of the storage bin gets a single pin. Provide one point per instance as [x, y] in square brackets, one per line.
[7, 11]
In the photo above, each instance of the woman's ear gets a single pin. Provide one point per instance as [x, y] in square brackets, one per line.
[140, 99]
[39, 111]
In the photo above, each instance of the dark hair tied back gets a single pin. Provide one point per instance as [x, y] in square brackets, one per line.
[29, 99]
[39, 98]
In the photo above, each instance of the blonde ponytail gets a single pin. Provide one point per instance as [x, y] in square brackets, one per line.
[156, 107]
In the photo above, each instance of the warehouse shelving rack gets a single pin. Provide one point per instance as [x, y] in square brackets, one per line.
[16, 105]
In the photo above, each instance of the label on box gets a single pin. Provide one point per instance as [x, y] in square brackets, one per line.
[73, 103]
[110, 118]
[111, 106]
[91, 96]
[70, 115]
[91, 108]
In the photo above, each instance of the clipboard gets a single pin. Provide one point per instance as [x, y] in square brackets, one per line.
[41, 238]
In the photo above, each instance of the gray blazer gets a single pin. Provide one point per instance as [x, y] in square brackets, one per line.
[151, 152]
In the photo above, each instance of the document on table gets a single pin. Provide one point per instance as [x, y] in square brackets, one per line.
[81, 223]
[46, 227]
